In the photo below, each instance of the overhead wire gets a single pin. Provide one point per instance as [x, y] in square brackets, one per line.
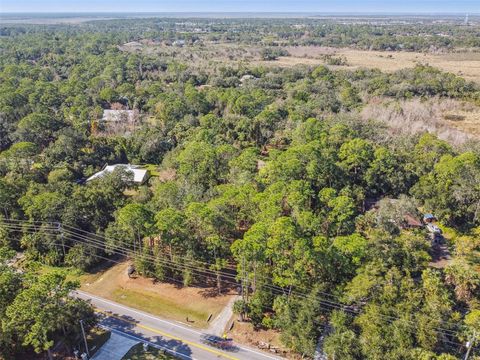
[124, 252]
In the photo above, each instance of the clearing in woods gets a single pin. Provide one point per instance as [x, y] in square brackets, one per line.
[465, 64]
[161, 299]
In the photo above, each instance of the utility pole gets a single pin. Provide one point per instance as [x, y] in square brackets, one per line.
[470, 344]
[61, 237]
[84, 338]
[243, 278]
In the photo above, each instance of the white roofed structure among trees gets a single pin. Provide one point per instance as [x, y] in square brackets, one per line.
[140, 175]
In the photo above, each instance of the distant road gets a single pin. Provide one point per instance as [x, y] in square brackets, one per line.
[180, 338]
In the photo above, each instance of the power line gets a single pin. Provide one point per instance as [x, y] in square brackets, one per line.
[125, 252]
[322, 305]
[272, 288]
[104, 238]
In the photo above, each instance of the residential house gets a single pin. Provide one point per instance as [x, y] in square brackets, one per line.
[140, 175]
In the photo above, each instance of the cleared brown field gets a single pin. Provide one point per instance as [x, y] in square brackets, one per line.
[465, 64]
[162, 299]
[465, 119]
[452, 120]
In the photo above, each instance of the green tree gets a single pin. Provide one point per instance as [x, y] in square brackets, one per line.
[133, 222]
[355, 157]
[42, 310]
[342, 343]
[37, 128]
[300, 321]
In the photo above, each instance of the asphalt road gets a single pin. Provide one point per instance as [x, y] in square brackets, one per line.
[182, 340]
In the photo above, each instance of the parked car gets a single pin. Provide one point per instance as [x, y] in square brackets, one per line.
[434, 229]
[435, 232]
[217, 341]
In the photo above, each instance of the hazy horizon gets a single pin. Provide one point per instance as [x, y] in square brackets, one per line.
[243, 6]
[305, 13]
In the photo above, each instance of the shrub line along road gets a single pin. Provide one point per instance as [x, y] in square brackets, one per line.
[180, 338]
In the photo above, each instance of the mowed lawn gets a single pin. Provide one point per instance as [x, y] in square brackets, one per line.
[161, 299]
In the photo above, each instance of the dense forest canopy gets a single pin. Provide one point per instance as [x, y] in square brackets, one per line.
[264, 175]
[380, 33]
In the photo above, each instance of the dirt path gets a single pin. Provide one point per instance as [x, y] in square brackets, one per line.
[218, 325]
[441, 257]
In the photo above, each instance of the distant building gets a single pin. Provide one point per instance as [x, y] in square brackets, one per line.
[411, 222]
[400, 212]
[133, 44]
[140, 175]
[124, 116]
[246, 78]
[179, 43]
[118, 122]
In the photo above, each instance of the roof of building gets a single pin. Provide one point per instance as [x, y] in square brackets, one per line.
[412, 221]
[139, 174]
[247, 77]
[133, 43]
[119, 115]
[429, 216]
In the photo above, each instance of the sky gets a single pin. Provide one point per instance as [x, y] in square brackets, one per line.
[316, 6]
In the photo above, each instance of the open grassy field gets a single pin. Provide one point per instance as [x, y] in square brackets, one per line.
[165, 300]
[466, 119]
[452, 120]
[465, 64]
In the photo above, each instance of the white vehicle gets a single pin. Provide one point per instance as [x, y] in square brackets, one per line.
[434, 229]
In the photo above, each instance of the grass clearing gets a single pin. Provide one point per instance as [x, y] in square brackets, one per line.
[466, 120]
[161, 299]
[153, 169]
[465, 64]
[71, 274]
[152, 304]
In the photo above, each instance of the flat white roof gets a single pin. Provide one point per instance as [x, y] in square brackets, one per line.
[119, 115]
[139, 175]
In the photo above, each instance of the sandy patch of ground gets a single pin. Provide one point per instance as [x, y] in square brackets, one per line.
[167, 174]
[243, 332]
[466, 119]
[161, 299]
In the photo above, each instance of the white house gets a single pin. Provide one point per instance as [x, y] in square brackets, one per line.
[139, 175]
